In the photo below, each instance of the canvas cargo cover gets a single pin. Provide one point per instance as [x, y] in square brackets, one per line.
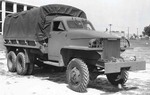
[29, 25]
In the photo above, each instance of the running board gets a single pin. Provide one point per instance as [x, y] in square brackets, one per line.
[52, 63]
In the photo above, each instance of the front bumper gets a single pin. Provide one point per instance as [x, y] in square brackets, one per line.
[114, 67]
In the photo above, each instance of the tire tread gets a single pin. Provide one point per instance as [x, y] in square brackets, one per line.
[85, 80]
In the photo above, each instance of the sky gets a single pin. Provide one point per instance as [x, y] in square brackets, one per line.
[122, 14]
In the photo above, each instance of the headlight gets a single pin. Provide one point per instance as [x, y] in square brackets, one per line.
[95, 43]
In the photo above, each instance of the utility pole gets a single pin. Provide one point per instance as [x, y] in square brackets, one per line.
[128, 33]
[137, 33]
[110, 27]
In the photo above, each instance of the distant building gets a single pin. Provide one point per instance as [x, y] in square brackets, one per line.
[9, 7]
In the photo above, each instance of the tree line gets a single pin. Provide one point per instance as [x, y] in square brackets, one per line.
[146, 30]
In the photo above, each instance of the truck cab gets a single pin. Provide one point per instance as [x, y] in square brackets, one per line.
[62, 31]
[75, 33]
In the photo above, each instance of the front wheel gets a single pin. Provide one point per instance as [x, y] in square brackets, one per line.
[77, 75]
[118, 78]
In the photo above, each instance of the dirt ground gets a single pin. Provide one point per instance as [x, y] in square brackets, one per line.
[46, 82]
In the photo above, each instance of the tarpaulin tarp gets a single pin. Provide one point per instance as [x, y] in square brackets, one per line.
[29, 25]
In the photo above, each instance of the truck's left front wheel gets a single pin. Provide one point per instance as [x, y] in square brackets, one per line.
[77, 75]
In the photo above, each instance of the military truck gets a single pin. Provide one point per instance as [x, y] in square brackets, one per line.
[61, 36]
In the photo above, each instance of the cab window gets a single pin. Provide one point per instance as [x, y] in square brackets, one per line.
[76, 24]
[58, 26]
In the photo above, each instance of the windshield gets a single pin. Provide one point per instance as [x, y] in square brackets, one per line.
[76, 24]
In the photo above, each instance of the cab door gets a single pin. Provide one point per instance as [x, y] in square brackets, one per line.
[57, 40]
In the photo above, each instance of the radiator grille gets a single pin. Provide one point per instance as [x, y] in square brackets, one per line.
[111, 48]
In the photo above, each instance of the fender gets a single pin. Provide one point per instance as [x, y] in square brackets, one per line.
[89, 55]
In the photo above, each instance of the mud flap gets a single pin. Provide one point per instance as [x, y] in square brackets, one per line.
[114, 67]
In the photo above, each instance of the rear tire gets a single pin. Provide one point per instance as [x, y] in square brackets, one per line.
[30, 68]
[21, 64]
[31, 63]
[77, 75]
[118, 78]
[11, 61]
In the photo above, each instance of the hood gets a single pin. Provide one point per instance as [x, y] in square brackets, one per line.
[79, 34]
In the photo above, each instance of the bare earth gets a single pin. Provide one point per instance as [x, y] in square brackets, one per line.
[46, 82]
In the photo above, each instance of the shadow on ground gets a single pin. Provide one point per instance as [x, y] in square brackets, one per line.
[50, 74]
[101, 83]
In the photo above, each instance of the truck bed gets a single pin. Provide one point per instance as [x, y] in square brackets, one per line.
[22, 43]
[30, 24]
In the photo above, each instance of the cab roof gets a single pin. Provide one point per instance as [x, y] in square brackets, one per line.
[64, 18]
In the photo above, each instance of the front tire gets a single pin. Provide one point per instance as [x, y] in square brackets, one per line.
[11, 61]
[21, 64]
[77, 75]
[118, 78]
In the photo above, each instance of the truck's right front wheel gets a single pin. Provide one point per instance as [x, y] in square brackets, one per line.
[118, 78]
[77, 75]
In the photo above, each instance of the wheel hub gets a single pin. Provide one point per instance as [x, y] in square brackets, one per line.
[75, 76]
[119, 77]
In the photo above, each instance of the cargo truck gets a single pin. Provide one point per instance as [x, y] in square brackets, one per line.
[61, 36]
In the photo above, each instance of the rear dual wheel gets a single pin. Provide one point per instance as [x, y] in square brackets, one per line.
[21, 64]
[11, 61]
[18, 63]
[23, 67]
